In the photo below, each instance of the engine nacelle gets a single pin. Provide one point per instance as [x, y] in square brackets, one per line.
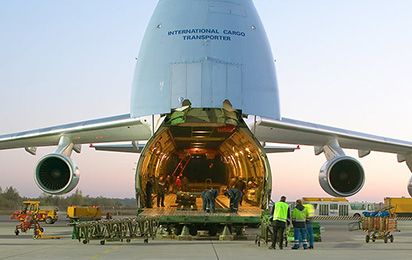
[56, 174]
[342, 176]
[410, 187]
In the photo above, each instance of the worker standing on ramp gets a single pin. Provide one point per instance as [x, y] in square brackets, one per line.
[208, 196]
[234, 196]
[161, 190]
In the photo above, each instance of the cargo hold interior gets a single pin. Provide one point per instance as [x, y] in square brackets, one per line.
[205, 147]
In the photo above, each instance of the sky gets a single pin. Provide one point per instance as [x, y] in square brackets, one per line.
[345, 64]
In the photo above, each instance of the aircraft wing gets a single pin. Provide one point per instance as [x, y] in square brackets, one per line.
[110, 129]
[298, 132]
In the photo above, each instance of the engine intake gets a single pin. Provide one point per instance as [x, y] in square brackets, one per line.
[342, 176]
[56, 174]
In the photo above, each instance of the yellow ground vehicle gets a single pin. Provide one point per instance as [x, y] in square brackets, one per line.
[402, 207]
[84, 213]
[32, 207]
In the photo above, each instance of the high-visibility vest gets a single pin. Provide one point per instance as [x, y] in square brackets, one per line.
[310, 210]
[281, 211]
[298, 215]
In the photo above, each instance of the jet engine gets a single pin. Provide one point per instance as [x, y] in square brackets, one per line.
[342, 176]
[56, 174]
[410, 187]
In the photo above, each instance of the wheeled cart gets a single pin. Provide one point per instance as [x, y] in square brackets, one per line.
[379, 228]
[116, 230]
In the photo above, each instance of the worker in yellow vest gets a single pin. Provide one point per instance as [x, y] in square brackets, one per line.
[280, 217]
[310, 213]
[299, 225]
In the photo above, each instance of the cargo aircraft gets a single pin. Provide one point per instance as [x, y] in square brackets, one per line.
[205, 108]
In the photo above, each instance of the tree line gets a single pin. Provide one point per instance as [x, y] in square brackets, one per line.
[10, 199]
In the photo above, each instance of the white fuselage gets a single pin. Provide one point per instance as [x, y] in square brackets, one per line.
[205, 51]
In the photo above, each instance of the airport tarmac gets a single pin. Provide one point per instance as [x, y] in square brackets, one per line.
[338, 243]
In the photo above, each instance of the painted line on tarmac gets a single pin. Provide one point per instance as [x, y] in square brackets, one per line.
[106, 252]
[214, 249]
[26, 253]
